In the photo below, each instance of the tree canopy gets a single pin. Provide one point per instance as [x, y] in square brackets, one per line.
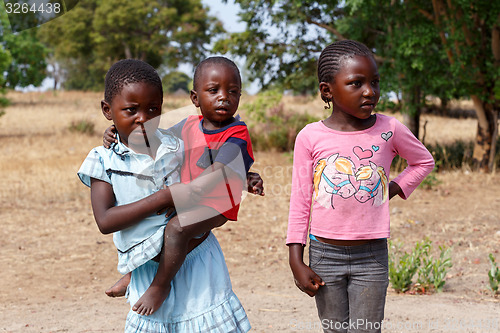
[441, 48]
[176, 81]
[96, 33]
[22, 57]
[470, 35]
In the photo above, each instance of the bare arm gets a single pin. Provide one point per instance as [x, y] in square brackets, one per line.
[255, 184]
[305, 278]
[111, 218]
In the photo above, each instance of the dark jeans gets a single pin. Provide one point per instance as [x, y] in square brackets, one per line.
[356, 280]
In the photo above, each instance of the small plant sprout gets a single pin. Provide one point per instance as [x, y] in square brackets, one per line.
[431, 272]
[494, 275]
[440, 267]
[402, 268]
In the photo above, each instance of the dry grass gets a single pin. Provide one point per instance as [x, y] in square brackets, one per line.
[54, 256]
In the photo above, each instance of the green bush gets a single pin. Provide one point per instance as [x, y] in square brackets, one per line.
[3, 102]
[432, 272]
[269, 124]
[82, 126]
[174, 81]
[431, 181]
[402, 267]
[494, 275]
[450, 156]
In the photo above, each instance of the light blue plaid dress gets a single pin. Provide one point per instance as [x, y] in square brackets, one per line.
[134, 177]
[201, 298]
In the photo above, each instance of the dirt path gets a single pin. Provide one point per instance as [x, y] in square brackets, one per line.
[55, 265]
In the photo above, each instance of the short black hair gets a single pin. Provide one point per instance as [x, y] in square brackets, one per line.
[331, 58]
[127, 71]
[213, 61]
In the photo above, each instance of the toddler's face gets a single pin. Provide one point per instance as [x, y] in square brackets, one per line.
[135, 111]
[217, 95]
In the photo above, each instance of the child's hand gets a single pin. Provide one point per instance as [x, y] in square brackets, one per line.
[394, 190]
[255, 183]
[185, 195]
[306, 280]
[109, 136]
[167, 211]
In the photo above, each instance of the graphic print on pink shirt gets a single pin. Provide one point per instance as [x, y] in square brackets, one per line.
[372, 184]
[332, 176]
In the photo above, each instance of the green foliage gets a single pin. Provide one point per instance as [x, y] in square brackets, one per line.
[4, 102]
[440, 48]
[96, 33]
[431, 271]
[455, 155]
[270, 126]
[494, 275]
[431, 181]
[402, 267]
[280, 45]
[29, 14]
[22, 57]
[174, 81]
[82, 126]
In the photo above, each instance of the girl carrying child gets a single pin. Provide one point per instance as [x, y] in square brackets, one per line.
[341, 168]
[130, 183]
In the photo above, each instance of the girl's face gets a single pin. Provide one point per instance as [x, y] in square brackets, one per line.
[135, 112]
[355, 88]
[217, 95]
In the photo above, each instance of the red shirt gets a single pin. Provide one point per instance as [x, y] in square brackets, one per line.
[230, 146]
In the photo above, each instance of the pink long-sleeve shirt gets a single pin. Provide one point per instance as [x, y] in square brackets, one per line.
[345, 177]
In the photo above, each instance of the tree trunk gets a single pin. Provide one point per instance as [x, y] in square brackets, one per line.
[443, 108]
[486, 138]
[412, 121]
[126, 49]
[412, 109]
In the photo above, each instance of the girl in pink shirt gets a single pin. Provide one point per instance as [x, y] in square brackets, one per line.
[341, 168]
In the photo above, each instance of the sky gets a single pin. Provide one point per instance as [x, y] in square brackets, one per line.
[227, 13]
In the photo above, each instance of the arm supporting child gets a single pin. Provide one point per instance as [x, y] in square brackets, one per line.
[255, 184]
[111, 218]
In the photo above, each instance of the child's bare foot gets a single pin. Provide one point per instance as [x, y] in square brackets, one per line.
[120, 287]
[151, 300]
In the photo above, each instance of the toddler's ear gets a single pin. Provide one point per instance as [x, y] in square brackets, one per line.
[106, 110]
[194, 98]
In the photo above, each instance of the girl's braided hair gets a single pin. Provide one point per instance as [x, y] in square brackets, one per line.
[331, 58]
[129, 71]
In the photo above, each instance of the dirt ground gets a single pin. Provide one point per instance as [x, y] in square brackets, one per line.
[55, 265]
